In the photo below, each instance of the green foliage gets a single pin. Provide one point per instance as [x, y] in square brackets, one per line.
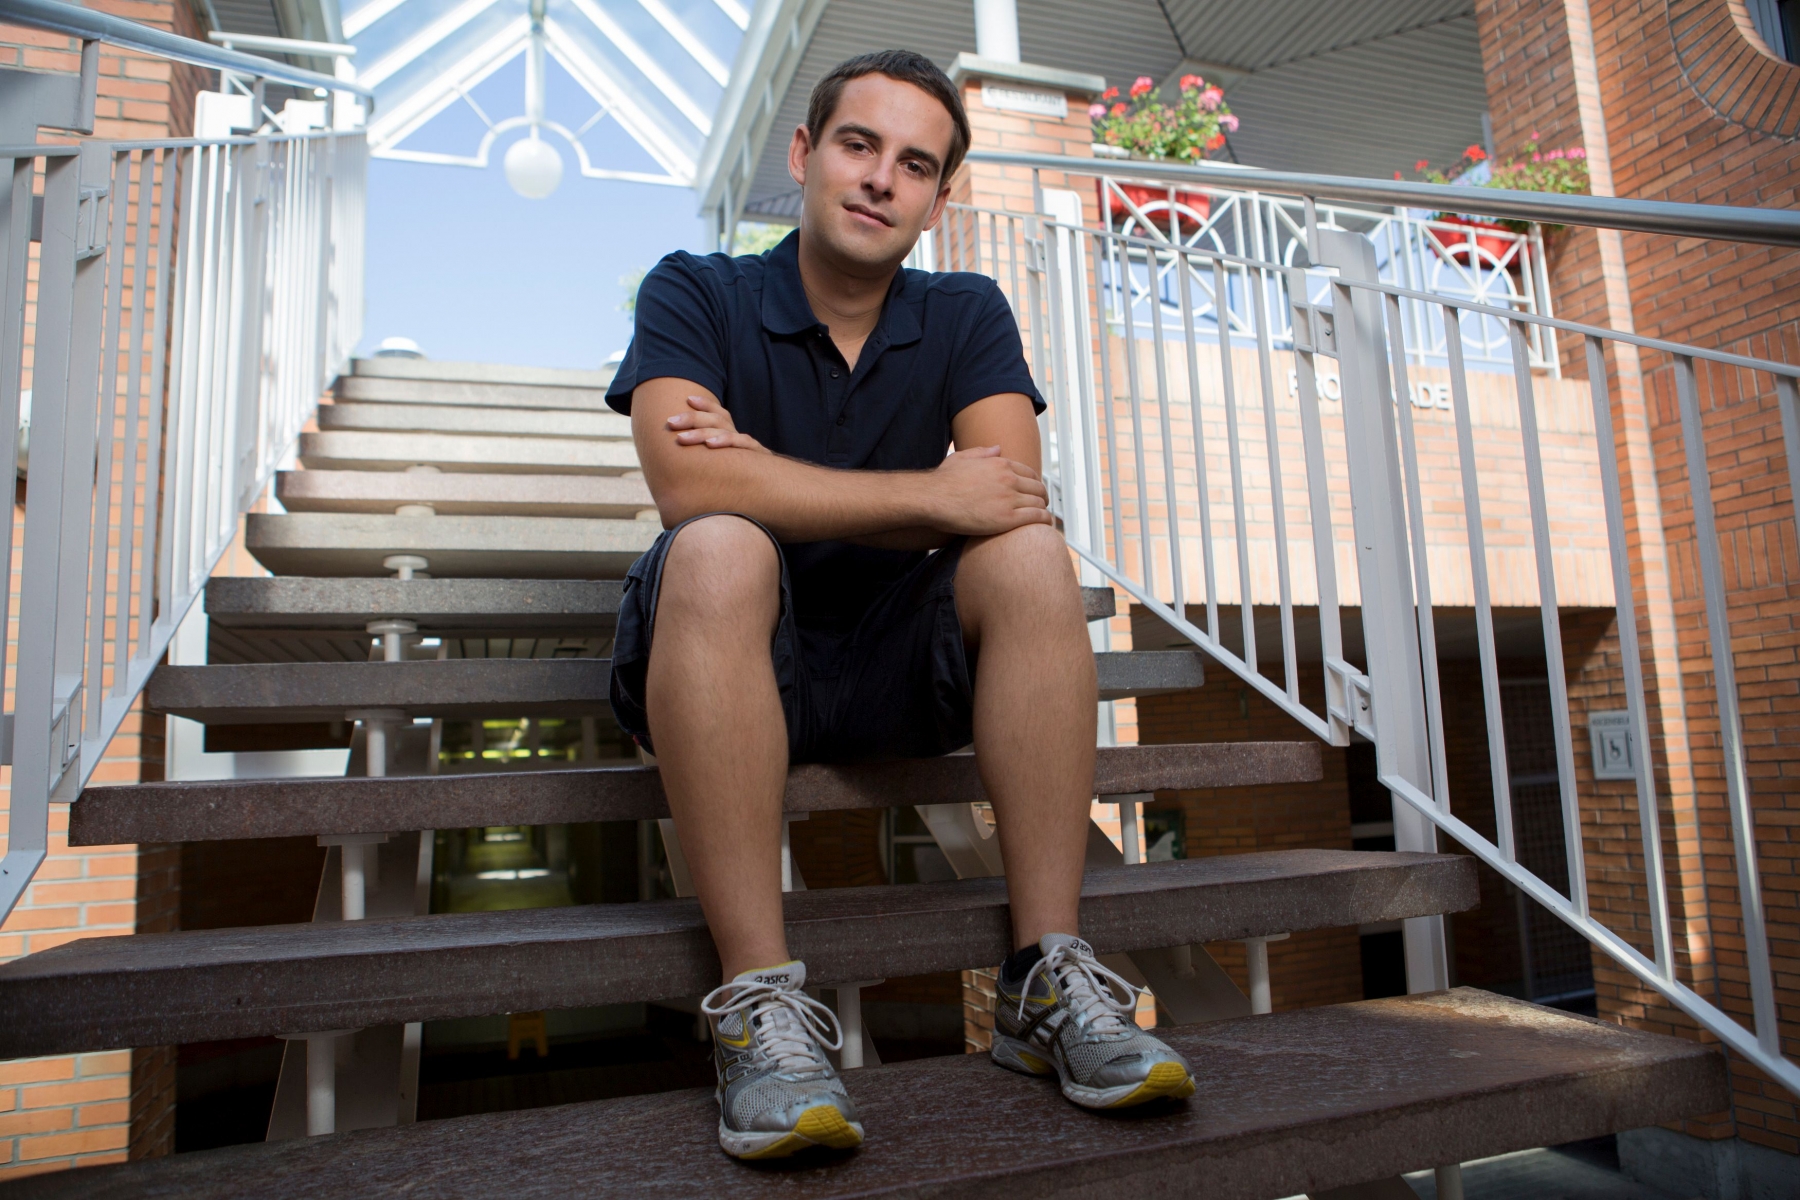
[631, 282]
[754, 237]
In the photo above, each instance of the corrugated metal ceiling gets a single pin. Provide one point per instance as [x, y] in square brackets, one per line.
[1345, 87]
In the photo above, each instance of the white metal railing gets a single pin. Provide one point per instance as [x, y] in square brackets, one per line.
[1187, 477]
[1486, 264]
[190, 302]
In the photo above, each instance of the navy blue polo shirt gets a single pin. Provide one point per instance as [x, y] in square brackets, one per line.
[743, 329]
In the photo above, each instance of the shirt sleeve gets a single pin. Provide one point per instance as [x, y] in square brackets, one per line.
[991, 359]
[679, 331]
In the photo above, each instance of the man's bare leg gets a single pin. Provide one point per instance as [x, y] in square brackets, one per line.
[721, 737]
[1020, 607]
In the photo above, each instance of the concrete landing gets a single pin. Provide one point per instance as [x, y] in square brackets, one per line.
[480, 547]
[376, 451]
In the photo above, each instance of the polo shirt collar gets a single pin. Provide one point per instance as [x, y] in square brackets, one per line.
[786, 311]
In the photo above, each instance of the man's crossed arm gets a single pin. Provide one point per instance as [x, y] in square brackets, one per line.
[696, 461]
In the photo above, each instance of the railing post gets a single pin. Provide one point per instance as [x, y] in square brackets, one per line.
[1384, 571]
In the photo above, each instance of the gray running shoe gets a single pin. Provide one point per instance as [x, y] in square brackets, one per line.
[777, 1091]
[1071, 1017]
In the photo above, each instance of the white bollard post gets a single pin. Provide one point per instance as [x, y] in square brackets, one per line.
[850, 1018]
[321, 1084]
[1256, 953]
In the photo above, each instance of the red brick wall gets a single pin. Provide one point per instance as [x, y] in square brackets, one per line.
[1610, 73]
[72, 1110]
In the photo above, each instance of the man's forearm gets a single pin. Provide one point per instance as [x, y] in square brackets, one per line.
[797, 501]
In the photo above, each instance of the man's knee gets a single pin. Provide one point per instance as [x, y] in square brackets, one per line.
[1032, 557]
[723, 560]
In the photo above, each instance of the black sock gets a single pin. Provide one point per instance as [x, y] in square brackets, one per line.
[1021, 961]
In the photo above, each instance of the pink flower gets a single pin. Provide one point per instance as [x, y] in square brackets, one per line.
[1577, 152]
[1537, 158]
[1142, 84]
[1209, 99]
[1189, 82]
[1229, 122]
[1096, 111]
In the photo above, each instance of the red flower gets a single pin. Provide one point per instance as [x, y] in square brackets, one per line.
[1396, 174]
[1215, 141]
[1189, 82]
[1111, 93]
[1142, 84]
[1475, 154]
[1119, 109]
[1418, 166]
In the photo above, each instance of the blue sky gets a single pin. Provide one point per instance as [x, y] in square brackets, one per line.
[472, 271]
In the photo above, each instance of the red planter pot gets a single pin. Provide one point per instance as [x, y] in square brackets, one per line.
[1489, 250]
[1199, 205]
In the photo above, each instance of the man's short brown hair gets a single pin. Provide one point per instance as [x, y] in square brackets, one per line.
[907, 67]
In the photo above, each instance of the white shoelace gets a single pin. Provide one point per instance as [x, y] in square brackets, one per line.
[1089, 990]
[789, 1026]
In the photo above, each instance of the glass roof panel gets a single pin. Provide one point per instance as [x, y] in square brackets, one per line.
[655, 70]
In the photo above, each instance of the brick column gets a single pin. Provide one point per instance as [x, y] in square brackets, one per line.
[74, 1110]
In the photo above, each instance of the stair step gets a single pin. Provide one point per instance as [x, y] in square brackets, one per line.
[228, 809]
[458, 493]
[436, 370]
[468, 419]
[357, 450]
[216, 984]
[505, 547]
[1297, 1102]
[274, 693]
[574, 606]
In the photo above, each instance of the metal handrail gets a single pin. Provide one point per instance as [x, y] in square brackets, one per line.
[1186, 477]
[54, 17]
[1768, 226]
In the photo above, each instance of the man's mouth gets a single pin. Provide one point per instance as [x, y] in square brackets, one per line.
[870, 213]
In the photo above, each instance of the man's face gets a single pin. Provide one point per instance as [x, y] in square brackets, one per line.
[875, 179]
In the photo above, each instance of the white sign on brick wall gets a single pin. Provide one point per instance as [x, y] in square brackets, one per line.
[1024, 100]
[1614, 752]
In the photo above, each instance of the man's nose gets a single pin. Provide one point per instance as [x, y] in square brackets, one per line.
[880, 178]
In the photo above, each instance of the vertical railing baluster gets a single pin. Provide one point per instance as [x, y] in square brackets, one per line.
[1552, 618]
[1478, 575]
[1148, 576]
[100, 536]
[1170, 499]
[1107, 401]
[1203, 492]
[1625, 610]
[1246, 602]
[1257, 285]
[1731, 729]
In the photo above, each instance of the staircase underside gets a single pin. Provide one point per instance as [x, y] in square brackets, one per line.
[1297, 1102]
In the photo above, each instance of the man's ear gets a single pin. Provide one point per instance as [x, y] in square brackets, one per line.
[798, 151]
[937, 207]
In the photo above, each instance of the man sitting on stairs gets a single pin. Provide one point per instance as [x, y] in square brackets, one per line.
[831, 587]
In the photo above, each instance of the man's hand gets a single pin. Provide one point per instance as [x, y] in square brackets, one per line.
[711, 426]
[978, 493]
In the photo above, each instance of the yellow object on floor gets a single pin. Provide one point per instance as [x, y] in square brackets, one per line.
[527, 1027]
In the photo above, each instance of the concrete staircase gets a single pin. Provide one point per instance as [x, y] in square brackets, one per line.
[507, 503]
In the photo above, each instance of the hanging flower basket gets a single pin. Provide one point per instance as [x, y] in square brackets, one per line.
[1491, 248]
[1192, 208]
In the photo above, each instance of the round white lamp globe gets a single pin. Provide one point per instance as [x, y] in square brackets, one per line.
[533, 168]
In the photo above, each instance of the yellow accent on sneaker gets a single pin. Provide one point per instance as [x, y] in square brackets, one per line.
[1166, 1079]
[823, 1125]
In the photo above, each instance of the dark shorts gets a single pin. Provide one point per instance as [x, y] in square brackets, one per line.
[897, 685]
